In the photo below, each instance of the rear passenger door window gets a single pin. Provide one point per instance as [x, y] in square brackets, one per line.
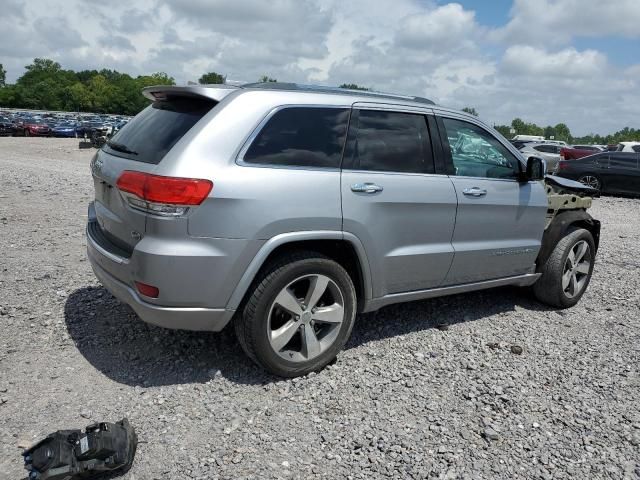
[386, 141]
[477, 153]
[301, 137]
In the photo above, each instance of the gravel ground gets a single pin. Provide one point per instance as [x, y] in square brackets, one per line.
[485, 385]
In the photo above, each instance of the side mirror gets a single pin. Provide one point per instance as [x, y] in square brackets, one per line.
[536, 169]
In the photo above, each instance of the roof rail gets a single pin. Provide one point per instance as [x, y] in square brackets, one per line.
[333, 90]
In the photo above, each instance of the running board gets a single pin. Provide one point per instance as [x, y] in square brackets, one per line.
[520, 280]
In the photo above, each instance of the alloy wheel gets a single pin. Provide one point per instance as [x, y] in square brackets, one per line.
[305, 318]
[576, 269]
[590, 181]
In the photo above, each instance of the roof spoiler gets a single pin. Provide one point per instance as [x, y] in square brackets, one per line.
[212, 92]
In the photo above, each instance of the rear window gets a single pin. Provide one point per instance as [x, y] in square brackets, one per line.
[150, 135]
[301, 137]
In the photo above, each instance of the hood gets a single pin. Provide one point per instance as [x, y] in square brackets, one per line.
[571, 186]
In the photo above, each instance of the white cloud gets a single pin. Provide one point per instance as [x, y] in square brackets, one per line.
[527, 60]
[540, 22]
[529, 67]
[447, 27]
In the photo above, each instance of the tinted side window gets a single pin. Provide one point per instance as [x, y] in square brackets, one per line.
[389, 142]
[301, 136]
[636, 148]
[477, 153]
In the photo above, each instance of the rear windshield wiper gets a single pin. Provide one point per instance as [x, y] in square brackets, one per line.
[121, 148]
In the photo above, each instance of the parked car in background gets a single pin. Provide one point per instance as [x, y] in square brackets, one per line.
[18, 128]
[36, 128]
[529, 138]
[520, 143]
[6, 127]
[608, 172]
[64, 130]
[628, 147]
[550, 153]
[578, 151]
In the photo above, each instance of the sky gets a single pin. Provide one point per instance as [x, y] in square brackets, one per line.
[545, 61]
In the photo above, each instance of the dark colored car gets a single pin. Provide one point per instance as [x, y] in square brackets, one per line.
[64, 130]
[18, 126]
[36, 128]
[6, 127]
[609, 172]
[87, 128]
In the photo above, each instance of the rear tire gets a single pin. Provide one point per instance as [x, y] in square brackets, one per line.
[567, 272]
[282, 334]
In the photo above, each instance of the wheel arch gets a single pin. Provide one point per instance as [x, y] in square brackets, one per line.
[343, 247]
[558, 228]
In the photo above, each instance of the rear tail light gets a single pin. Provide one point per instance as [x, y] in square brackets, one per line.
[562, 165]
[147, 290]
[166, 196]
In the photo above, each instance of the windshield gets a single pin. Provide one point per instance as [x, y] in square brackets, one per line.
[153, 132]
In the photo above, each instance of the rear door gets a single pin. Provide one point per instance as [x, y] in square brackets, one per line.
[394, 202]
[500, 221]
[622, 174]
[140, 145]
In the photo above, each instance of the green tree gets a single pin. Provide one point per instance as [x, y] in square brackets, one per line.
[3, 76]
[78, 97]
[549, 132]
[470, 110]
[353, 86]
[212, 78]
[267, 79]
[504, 130]
[519, 126]
[562, 132]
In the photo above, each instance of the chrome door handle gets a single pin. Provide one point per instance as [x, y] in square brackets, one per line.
[366, 188]
[474, 192]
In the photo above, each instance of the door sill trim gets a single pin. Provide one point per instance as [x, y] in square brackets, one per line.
[519, 280]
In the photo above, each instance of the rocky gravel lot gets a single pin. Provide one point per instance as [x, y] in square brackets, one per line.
[486, 385]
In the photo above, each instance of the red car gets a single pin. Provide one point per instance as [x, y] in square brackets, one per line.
[36, 128]
[578, 151]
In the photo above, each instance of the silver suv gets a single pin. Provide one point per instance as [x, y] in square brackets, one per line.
[287, 209]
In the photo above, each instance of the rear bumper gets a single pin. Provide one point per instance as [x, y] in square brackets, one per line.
[116, 273]
[184, 318]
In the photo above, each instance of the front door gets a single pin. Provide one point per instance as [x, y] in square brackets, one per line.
[394, 203]
[500, 220]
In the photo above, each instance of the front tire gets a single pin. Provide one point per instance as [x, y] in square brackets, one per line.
[567, 272]
[591, 181]
[299, 315]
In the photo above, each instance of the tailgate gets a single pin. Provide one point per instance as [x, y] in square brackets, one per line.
[140, 146]
[120, 224]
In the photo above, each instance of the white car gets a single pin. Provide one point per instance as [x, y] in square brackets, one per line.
[549, 152]
[628, 147]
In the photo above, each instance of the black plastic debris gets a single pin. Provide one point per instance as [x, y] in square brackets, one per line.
[72, 454]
